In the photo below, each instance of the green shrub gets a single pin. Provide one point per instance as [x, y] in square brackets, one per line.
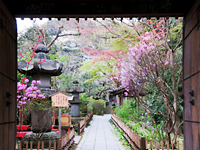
[90, 106]
[129, 111]
[87, 103]
[98, 107]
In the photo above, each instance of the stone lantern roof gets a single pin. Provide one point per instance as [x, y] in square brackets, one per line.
[75, 88]
[49, 67]
[41, 68]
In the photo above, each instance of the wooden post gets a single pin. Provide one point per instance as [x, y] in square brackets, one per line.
[57, 143]
[31, 145]
[39, 144]
[42, 145]
[59, 119]
[142, 143]
[68, 138]
[20, 145]
[167, 144]
[26, 145]
[49, 144]
[60, 143]
[151, 144]
[178, 145]
[79, 128]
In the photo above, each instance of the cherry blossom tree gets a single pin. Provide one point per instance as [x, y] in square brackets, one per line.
[146, 55]
[154, 63]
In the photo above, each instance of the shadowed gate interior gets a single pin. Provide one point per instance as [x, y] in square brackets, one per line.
[9, 9]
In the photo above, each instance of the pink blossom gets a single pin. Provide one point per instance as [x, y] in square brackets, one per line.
[34, 96]
[27, 80]
[27, 93]
[150, 43]
[24, 98]
[30, 95]
[23, 103]
[33, 82]
[29, 89]
[38, 82]
[18, 84]
[147, 38]
[18, 96]
[148, 48]
[40, 95]
[126, 94]
[166, 63]
[35, 88]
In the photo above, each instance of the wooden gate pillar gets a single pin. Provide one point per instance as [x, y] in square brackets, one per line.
[8, 79]
[191, 75]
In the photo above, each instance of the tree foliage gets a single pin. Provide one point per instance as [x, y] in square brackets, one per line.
[148, 57]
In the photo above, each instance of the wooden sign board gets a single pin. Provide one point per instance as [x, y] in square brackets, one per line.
[59, 100]
[65, 120]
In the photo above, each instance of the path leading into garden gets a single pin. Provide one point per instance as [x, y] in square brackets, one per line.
[99, 135]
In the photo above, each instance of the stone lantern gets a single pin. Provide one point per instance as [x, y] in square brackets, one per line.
[43, 72]
[75, 103]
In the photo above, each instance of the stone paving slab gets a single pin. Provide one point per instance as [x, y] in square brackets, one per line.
[99, 135]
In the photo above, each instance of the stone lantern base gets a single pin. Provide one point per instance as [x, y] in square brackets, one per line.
[75, 120]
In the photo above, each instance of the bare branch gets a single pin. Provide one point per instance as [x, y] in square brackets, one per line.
[177, 45]
[168, 87]
[58, 35]
[43, 37]
[114, 33]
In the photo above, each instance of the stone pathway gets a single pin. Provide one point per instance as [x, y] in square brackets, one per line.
[99, 135]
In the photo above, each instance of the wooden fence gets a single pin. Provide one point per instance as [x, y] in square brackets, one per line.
[136, 142]
[139, 143]
[82, 124]
[67, 140]
[63, 143]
